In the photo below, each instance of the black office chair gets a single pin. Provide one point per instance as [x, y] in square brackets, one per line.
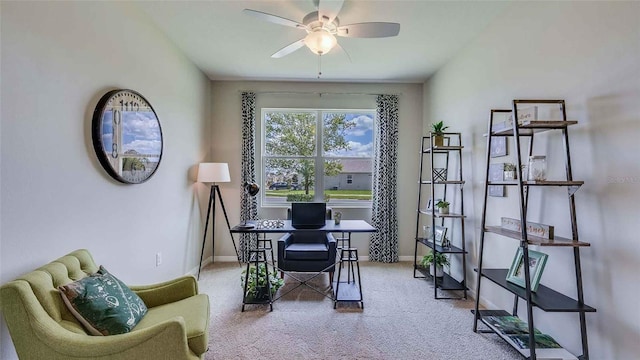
[308, 250]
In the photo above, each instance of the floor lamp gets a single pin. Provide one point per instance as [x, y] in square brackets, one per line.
[214, 173]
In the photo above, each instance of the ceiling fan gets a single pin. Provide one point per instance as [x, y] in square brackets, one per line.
[323, 26]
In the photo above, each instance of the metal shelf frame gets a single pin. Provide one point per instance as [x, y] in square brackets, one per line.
[545, 298]
[428, 152]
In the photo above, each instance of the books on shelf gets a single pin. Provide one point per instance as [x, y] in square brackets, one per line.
[510, 325]
[543, 341]
[516, 332]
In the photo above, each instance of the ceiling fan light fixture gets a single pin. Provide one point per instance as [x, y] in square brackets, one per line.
[320, 41]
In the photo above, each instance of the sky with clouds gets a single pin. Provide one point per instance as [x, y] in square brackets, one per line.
[141, 132]
[360, 137]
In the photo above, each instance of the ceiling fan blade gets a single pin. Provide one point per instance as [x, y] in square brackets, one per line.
[274, 19]
[369, 30]
[329, 9]
[288, 49]
[344, 51]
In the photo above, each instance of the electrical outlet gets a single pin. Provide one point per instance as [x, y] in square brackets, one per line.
[158, 259]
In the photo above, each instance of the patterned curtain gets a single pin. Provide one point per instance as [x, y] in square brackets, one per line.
[248, 204]
[384, 243]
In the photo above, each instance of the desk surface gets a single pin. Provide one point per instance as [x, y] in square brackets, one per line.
[354, 226]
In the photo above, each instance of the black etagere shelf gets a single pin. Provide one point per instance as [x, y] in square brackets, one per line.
[544, 298]
[433, 184]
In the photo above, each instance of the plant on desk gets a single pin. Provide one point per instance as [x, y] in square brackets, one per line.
[257, 282]
[441, 260]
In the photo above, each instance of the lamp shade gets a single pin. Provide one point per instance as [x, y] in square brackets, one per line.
[213, 172]
[320, 42]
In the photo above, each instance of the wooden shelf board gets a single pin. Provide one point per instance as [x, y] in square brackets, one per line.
[450, 250]
[447, 182]
[445, 283]
[535, 240]
[441, 149]
[538, 183]
[438, 215]
[545, 298]
[530, 127]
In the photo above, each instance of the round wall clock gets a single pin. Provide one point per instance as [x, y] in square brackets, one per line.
[127, 136]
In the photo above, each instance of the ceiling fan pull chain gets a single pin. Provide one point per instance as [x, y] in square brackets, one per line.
[319, 66]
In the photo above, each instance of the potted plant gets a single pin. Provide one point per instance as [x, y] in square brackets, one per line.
[441, 260]
[443, 206]
[438, 131]
[509, 171]
[257, 282]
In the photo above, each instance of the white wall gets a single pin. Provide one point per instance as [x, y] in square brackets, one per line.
[227, 124]
[58, 59]
[587, 53]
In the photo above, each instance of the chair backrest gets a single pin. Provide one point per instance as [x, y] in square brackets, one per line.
[308, 215]
[328, 214]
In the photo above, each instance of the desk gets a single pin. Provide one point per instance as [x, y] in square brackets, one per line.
[348, 226]
[345, 226]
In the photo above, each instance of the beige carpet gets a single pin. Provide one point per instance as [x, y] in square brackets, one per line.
[400, 320]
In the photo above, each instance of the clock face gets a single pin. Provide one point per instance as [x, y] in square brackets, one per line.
[127, 136]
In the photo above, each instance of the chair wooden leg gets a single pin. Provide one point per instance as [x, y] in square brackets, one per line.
[282, 274]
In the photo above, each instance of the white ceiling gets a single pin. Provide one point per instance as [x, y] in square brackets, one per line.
[229, 45]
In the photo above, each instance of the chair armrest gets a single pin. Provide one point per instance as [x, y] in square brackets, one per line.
[333, 245]
[168, 291]
[25, 315]
[283, 242]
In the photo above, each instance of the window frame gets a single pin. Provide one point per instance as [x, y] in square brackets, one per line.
[319, 157]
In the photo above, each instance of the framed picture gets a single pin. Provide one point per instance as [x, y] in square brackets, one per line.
[498, 146]
[537, 260]
[496, 173]
[440, 234]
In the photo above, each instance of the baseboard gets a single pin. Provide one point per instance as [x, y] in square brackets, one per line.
[234, 259]
[194, 271]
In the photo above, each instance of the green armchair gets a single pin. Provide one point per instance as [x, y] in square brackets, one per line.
[41, 327]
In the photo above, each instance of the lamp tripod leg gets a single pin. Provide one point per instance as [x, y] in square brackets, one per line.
[206, 227]
[226, 218]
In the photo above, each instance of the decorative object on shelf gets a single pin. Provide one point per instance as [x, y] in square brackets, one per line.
[214, 173]
[440, 233]
[337, 216]
[443, 207]
[257, 282]
[426, 232]
[509, 171]
[525, 115]
[537, 168]
[496, 173]
[535, 229]
[431, 203]
[441, 260]
[499, 147]
[537, 261]
[439, 174]
[127, 136]
[438, 131]
[268, 224]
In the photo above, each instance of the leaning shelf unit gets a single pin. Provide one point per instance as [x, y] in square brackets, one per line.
[429, 152]
[544, 298]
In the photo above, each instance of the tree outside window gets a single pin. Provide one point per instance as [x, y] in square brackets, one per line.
[300, 144]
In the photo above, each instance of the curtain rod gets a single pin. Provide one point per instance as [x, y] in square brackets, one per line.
[319, 93]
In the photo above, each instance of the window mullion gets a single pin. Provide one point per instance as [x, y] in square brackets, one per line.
[319, 161]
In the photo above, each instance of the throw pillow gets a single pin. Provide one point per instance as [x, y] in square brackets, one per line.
[103, 304]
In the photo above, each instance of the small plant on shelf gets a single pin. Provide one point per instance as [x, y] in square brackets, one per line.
[509, 171]
[443, 206]
[257, 282]
[438, 131]
[441, 260]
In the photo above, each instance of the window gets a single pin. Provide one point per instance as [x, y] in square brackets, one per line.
[317, 155]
